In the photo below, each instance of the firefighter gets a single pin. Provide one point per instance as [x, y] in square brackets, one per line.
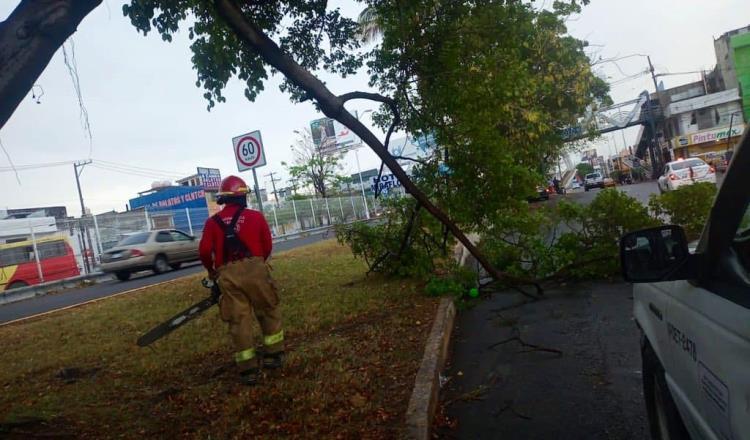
[234, 248]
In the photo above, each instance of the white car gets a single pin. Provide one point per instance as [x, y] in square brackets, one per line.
[685, 172]
[693, 309]
[593, 180]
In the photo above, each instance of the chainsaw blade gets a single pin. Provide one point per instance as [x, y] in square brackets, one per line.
[176, 321]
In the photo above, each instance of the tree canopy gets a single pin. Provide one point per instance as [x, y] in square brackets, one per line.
[494, 82]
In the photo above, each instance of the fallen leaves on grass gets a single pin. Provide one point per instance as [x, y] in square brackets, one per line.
[353, 353]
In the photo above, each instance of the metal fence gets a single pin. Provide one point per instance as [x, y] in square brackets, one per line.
[74, 247]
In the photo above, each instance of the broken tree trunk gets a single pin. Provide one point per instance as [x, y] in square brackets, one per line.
[333, 107]
[28, 39]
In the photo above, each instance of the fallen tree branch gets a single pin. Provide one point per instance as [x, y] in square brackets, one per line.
[533, 347]
[333, 107]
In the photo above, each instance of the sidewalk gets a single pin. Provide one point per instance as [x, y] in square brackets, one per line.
[511, 391]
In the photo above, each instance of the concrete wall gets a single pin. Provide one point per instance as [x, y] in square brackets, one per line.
[725, 59]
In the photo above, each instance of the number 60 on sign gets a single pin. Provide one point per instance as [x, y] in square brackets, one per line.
[248, 150]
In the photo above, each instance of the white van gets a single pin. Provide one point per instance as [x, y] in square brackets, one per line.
[693, 309]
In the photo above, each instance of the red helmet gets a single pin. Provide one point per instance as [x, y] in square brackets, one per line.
[233, 186]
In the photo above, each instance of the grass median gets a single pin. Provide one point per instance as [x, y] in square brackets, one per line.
[354, 345]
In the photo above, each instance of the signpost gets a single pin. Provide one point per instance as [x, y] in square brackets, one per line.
[248, 150]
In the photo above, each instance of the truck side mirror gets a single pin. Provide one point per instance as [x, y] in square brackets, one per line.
[655, 254]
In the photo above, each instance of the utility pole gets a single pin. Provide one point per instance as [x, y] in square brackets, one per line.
[661, 110]
[78, 169]
[273, 184]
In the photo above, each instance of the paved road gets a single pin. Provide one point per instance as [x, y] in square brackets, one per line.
[640, 191]
[511, 391]
[66, 298]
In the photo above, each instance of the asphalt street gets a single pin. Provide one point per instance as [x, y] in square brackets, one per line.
[640, 191]
[567, 367]
[71, 297]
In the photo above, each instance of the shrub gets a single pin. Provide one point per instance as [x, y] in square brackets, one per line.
[382, 247]
[688, 206]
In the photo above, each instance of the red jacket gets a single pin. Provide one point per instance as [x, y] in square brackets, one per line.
[251, 228]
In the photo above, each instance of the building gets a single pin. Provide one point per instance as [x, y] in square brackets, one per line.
[726, 56]
[705, 124]
[741, 53]
[58, 212]
[175, 206]
[367, 178]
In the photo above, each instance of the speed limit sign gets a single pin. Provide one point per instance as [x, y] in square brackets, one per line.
[248, 150]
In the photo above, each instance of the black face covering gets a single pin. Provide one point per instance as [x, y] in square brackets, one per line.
[232, 200]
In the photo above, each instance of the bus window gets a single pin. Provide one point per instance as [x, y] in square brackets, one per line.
[16, 255]
[51, 249]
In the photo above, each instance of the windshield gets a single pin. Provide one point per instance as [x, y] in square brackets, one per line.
[593, 176]
[130, 240]
[687, 164]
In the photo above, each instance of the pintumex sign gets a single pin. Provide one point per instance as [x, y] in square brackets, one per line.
[713, 135]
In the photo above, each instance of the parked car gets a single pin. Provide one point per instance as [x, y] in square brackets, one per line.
[692, 306]
[593, 180]
[153, 250]
[685, 172]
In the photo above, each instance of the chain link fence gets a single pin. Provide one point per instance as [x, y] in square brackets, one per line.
[73, 247]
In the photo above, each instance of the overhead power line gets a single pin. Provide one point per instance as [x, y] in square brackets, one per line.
[10, 161]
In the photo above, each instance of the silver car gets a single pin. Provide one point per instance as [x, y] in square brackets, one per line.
[154, 250]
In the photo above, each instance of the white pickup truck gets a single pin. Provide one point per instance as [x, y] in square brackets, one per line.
[693, 309]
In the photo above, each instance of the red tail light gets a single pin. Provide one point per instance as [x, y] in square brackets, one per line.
[673, 177]
[136, 253]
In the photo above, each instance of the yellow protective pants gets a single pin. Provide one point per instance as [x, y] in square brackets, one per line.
[248, 292]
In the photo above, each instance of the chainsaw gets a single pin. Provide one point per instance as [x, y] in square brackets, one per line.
[183, 317]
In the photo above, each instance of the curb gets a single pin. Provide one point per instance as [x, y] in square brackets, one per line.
[91, 301]
[424, 396]
[23, 293]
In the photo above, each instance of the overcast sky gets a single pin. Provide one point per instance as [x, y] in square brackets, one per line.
[145, 110]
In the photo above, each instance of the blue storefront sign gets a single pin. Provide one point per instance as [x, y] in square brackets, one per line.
[176, 199]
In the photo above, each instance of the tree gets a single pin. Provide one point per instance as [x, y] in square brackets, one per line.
[493, 82]
[235, 39]
[369, 28]
[584, 168]
[312, 166]
[230, 39]
[29, 38]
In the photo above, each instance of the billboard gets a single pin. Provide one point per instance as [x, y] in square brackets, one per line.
[210, 178]
[588, 155]
[386, 183]
[330, 136]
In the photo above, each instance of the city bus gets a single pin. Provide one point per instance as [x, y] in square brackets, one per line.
[18, 266]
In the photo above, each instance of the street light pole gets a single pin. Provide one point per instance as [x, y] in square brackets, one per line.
[359, 169]
[729, 134]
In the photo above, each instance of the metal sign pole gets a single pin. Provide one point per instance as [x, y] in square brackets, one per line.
[257, 191]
